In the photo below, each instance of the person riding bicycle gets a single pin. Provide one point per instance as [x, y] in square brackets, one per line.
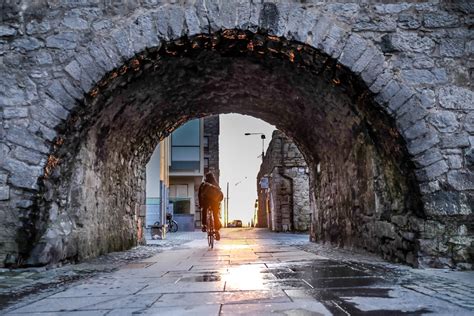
[210, 196]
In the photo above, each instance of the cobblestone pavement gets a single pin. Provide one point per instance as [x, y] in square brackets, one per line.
[254, 272]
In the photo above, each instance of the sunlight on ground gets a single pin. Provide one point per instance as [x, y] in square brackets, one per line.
[245, 276]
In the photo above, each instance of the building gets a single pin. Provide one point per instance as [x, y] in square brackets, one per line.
[191, 151]
[283, 187]
[157, 185]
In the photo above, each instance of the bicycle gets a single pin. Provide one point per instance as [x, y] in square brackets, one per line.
[210, 228]
[172, 224]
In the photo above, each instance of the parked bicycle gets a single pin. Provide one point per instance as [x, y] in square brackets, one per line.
[172, 224]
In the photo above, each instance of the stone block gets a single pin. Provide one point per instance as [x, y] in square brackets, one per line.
[17, 89]
[412, 42]
[6, 30]
[122, 43]
[58, 93]
[423, 143]
[34, 27]
[63, 40]
[54, 108]
[192, 21]
[27, 43]
[456, 98]
[427, 98]
[455, 161]
[380, 24]
[29, 156]
[15, 112]
[432, 171]
[90, 66]
[43, 58]
[320, 31]
[424, 76]
[74, 69]
[430, 187]
[429, 157]
[73, 90]
[21, 136]
[353, 50]
[409, 21]
[461, 180]
[391, 8]
[447, 203]
[380, 81]
[365, 59]
[423, 62]
[3, 176]
[402, 96]
[444, 121]
[23, 175]
[100, 56]
[440, 19]
[373, 70]
[415, 130]
[334, 41]
[75, 22]
[170, 21]
[452, 47]
[147, 27]
[468, 122]
[455, 140]
[111, 50]
[4, 193]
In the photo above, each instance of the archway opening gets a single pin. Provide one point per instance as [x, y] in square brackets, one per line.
[361, 181]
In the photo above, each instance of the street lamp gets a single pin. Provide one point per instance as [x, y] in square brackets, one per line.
[262, 136]
[226, 202]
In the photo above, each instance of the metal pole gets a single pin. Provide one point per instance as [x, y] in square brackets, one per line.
[227, 208]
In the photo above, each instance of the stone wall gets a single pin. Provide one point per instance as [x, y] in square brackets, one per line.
[378, 91]
[288, 193]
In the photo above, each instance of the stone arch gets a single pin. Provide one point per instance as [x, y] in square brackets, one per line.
[141, 31]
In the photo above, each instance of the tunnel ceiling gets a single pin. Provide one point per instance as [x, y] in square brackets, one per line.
[303, 92]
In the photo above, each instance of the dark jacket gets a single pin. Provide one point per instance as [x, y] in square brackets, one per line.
[209, 195]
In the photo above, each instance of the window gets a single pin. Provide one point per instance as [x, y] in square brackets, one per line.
[206, 163]
[206, 142]
[185, 147]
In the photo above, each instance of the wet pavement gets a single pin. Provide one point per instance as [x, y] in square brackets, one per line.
[255, 272]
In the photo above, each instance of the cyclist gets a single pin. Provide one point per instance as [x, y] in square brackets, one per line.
[210, 196]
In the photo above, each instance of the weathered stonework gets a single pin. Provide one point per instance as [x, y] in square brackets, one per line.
[378, 91]
[285, 204]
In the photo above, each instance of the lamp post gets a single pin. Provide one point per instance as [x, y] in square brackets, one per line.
[262, 136]
[226, 203]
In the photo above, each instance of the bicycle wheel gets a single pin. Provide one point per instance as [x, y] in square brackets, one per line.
[173, 227]
[210, 229]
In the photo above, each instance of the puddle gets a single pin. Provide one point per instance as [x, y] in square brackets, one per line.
[202, 278]
[328, 272]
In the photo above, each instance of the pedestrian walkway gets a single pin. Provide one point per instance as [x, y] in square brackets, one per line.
[253, 272]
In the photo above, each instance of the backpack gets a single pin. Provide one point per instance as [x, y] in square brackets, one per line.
[210, 194]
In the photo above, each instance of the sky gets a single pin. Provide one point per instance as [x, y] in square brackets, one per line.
[239, 160]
